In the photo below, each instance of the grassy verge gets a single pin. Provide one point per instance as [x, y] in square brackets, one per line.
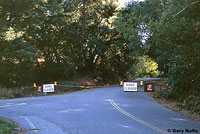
[7, 127]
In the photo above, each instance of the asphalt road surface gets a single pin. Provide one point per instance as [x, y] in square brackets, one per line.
[98, 111]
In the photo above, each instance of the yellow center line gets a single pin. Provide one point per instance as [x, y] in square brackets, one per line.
[135, 118]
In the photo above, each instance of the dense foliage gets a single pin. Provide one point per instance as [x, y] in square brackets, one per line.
[46, 40]
[171, 30]
[177, 43]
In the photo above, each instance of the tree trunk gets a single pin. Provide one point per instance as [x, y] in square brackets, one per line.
[83, 27]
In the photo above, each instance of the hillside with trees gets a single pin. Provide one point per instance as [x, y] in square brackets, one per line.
[48, 40]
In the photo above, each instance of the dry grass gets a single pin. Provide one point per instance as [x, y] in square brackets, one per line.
[9, 92]
[173, 105]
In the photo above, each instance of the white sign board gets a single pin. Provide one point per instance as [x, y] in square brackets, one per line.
[48, 88]
[130, 86]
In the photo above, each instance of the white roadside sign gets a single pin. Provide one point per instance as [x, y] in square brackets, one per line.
[48, 88]
[130, 86]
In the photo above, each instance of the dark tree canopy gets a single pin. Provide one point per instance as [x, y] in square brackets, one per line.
[47, 40]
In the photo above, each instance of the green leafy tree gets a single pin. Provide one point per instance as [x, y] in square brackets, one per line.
[146, 68]
[176, 38]
[17, 56]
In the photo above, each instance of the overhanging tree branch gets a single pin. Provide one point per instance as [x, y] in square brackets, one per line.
[176, 45]
[193, 3]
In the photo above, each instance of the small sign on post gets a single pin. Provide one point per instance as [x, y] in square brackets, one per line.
[39, 88]
[130, 87]
[48, 88]
[149, 87]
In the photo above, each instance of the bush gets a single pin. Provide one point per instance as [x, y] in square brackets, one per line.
[191, 103]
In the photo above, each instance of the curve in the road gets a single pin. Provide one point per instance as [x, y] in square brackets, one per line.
[135, 118]
[99, 111]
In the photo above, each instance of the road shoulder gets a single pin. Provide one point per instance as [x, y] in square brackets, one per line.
[172, 105]
[8, 126]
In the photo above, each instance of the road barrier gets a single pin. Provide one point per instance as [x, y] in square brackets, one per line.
[149, 85]
[60, 88]
[37, 90]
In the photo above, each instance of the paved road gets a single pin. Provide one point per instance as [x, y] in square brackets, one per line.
[99, 111]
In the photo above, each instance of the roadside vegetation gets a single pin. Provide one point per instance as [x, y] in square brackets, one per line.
[7, 127]
[188, 108]
[54, 40]
[63, 87]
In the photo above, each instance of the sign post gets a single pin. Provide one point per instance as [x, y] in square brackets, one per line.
[130, 86]
[39, 88]
[149, 87]
[48, 88]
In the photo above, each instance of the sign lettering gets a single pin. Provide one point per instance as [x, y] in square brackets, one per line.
[48, 88]
[130, 86]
